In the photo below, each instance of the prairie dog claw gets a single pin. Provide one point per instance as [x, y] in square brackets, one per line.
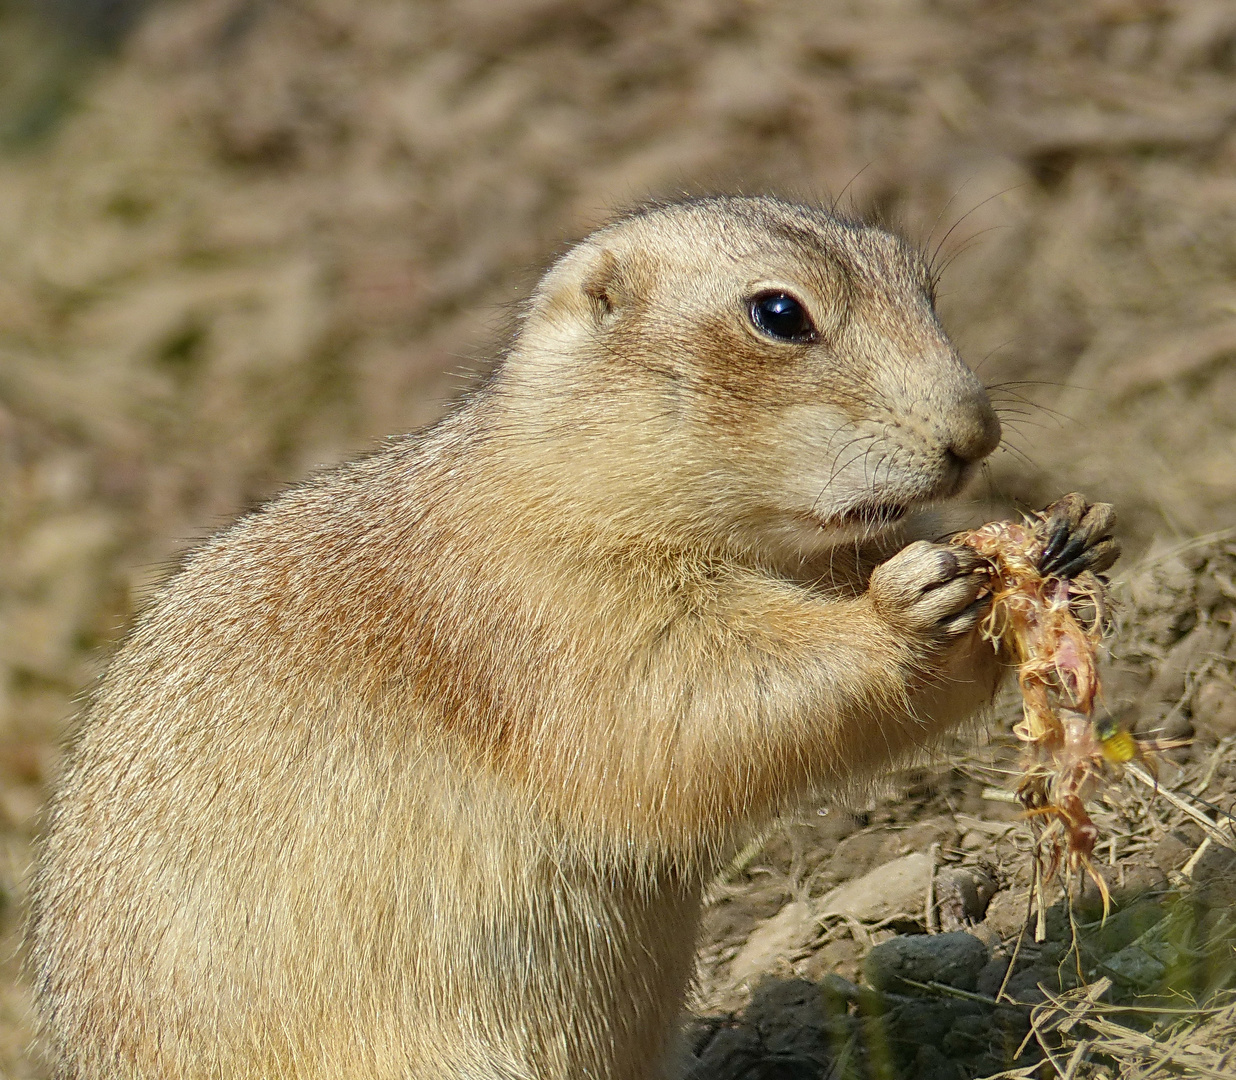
[1078, 538]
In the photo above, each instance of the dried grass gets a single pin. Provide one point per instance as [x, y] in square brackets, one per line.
[1084, 1038]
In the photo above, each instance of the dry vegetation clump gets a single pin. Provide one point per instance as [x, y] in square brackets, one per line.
[1083, 1037]
[1049, 610]
[257, 236]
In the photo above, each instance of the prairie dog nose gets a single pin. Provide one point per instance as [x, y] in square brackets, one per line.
[974, 429]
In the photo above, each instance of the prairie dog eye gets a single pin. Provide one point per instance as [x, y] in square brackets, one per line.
[780, 316]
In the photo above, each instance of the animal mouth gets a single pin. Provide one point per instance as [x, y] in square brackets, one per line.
[874, 515]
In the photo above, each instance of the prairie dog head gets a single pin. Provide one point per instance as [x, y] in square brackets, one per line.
[749, 370]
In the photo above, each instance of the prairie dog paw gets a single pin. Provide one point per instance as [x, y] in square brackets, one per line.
[929, 590]
[1079, 537]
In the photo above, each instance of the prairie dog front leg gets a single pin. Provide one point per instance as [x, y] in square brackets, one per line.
[794, 691]
[935, 595]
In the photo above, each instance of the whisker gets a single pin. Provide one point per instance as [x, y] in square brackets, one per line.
[952, 228]
[839, 467]
[1022, 422]
[1060, 414]
[1017, 452]
[1040, 382]
[993, 488]
[990, 353]
[836, 202]
[944, 210]
[970, 242]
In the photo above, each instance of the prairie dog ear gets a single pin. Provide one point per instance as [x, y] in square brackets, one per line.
[612, 285]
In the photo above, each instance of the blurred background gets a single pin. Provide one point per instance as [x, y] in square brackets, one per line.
[240, 239]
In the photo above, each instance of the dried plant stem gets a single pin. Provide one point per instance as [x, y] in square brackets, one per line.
[1210, 827]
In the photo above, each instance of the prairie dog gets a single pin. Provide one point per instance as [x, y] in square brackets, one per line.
[418, 771]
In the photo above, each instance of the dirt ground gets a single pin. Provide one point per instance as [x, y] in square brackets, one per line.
[826, 955]
[240, 239]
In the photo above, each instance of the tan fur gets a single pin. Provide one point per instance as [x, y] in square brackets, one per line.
[419, 770]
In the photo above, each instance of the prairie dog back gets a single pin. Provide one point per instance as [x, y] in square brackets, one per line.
[419, 770]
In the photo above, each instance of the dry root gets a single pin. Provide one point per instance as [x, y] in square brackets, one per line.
[1053, 624]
